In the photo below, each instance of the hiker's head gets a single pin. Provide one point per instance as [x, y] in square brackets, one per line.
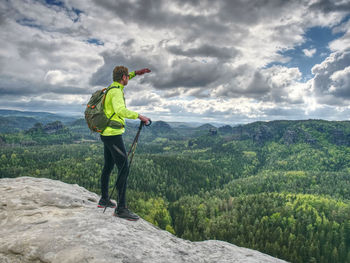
[121, 75]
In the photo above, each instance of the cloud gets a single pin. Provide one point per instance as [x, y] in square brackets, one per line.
[57, 103]
[144, 99]
[342, 43]
[332, 78]
[309, 52]
[221, 53]
[331, 5]
[341, 83]
[188, 73]
[274, 84]
[252, 12]
[38, 59]
[159, 14]
[111, 58]
[185, 72]
[55, 77]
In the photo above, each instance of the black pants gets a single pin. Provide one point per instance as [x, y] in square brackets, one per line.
[115, 153]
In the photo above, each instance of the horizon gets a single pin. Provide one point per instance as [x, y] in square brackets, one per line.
[189, 123]
[223, 62]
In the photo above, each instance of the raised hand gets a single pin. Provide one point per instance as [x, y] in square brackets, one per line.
[142, 71]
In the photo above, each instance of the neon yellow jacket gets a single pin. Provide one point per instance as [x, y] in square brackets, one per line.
[115, 102]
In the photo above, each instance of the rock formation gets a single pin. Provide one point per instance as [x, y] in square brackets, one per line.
[43, 220]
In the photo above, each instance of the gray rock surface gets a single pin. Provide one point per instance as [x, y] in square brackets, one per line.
[43, 220]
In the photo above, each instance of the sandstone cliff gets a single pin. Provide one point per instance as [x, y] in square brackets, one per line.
[43, 220]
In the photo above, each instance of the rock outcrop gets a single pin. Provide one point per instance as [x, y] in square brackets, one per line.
[226, 129]
[43, 220]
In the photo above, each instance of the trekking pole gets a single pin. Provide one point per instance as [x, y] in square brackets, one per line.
[133, 149]
[134, 144]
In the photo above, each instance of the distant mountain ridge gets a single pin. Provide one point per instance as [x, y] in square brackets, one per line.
[16, 123]
[294, 131]
[43, 117]
[281, 131]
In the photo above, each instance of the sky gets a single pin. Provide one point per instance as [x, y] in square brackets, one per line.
[225, 61]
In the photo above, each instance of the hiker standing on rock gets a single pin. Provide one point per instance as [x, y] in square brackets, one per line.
[114, 149]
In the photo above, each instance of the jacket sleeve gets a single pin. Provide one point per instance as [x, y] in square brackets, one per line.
[132, 74]
[119, 106]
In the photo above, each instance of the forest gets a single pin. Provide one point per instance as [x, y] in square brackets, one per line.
[279, 187]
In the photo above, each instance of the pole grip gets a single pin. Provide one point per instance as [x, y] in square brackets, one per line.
[149, 123]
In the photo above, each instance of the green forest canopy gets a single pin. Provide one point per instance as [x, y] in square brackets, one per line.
[280, 187]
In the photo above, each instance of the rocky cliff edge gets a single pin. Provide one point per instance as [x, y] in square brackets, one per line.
[43, 220]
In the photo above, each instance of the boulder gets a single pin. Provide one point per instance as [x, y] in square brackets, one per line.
[45, 220]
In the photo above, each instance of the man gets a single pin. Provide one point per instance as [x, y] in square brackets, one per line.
[114, 149]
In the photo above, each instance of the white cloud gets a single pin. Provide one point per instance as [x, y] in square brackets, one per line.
[342, 43]
[309, 52]
[332, 79]
[341, 82]
[57, 77]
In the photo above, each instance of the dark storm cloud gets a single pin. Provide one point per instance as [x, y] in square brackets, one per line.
[2, 18]
[37, 44]
[251, 11]
[205, 50]
[217, 18]
[18, 87]
[188, 73]
[254, 86]
[156, 14]
[33, 104]
[263, 89]
[258, 86]
[331, 5]
[129, 43]
[148, 12]
[11, 86]
[145, 100]
[104, 75]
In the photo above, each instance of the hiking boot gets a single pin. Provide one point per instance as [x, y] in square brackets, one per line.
[125, 213]
[106, 203]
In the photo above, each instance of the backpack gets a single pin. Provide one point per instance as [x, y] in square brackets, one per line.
[95, 116]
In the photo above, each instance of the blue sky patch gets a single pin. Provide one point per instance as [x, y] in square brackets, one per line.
[28, 22]
[313, 51]
[317, 39]
[77, 11]
[61, 4]
[55, 2]
[95, 41]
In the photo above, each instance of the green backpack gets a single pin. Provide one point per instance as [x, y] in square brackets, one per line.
[95, 116]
